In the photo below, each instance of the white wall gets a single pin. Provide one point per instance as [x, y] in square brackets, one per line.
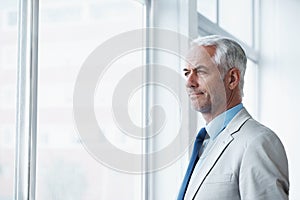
[280, 78]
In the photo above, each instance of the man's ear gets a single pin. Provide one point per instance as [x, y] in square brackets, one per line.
[233, 78]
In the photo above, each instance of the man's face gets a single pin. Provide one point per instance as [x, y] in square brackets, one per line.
[205, 85]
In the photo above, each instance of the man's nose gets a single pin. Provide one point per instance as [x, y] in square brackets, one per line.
[192, 80]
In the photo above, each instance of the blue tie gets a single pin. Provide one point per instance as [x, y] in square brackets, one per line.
[194, 158]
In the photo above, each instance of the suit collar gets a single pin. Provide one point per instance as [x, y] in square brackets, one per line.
[216, 126]
[238, 120]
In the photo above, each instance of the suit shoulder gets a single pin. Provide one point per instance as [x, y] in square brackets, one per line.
[254, 132]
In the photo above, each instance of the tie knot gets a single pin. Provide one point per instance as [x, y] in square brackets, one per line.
[201, 135]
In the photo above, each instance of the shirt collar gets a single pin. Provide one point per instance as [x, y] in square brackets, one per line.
[215, 127]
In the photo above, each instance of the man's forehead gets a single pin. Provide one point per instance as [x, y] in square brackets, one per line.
[200, 54]
[197, 50]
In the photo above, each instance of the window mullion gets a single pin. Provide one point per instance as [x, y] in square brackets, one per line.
[25, 169]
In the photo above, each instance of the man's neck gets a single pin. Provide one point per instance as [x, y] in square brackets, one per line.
[209, 116]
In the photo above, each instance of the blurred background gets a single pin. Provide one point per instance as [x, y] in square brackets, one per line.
[70, 30]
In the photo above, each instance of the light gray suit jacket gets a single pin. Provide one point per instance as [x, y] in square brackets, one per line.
[247, 162]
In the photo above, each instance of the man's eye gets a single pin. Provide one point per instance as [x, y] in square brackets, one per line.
[201, 71]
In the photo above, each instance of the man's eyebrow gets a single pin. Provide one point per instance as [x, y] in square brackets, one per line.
[200, 67]
[196, 68]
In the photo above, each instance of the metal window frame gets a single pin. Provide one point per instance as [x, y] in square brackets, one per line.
[26, 131]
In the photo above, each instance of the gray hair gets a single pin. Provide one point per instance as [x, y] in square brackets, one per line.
[228, 54]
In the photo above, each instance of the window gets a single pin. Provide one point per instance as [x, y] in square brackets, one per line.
[238, 20]
[208, 8]
[236, 17]
[8, 80]
[69, 32]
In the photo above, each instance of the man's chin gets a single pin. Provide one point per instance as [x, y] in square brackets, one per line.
[202, 109]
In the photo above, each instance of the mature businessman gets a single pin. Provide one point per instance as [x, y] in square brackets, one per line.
[234, 156]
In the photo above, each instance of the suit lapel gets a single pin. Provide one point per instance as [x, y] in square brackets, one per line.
[222, 141]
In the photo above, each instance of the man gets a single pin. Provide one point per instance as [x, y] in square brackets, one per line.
[234, 157]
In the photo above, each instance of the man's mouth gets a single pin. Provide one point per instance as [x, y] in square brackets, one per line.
[195, 94]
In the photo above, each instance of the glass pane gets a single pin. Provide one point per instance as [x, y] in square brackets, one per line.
[251, 89]
[236, 17]
[69, 32]
[8, 75]
[208, 8]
